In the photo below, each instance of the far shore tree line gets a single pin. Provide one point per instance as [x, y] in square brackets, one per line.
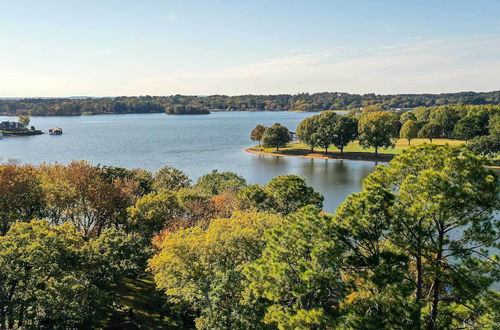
[478, 125]
[411, 250]
[282, 102]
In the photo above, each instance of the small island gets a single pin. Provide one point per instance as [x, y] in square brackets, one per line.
[180, 109]
[10, 128]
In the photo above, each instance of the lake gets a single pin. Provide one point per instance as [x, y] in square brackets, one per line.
[195, 144]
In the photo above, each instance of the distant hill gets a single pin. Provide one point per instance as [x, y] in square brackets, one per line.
[78, 105]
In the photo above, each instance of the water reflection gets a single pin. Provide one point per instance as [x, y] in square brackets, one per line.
[335, 179]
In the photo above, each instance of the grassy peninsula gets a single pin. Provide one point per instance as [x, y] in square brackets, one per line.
[352, 151]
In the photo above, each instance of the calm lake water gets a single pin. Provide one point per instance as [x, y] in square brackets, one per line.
[196, 144]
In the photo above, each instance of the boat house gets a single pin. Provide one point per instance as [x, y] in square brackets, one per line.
[55, 131]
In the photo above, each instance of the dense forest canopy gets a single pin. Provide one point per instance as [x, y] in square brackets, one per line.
[411, 250]
[282, 102]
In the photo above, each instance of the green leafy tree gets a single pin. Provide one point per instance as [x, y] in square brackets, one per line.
[46, 281]
[467, 128]
[345, 130]
[170, 178]
[116, 254]
[446, 117]
[422, 114]
[276, 136]
[442, 217]
[430, 131]
[325, 134]
[153, 212]
[204, 267]
[257, 133]
[374, 272]
[306, 130]
[488, 146]
[216, 183]
[298, 273]
[181, 109]
[480, 313]
[494, 125]
[291, 192]
[376, 130]
[407, 116]
[255, 197]
[409, 130]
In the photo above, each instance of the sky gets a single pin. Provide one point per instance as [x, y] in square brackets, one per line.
[62, 48]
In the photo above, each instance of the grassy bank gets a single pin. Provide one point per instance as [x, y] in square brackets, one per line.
[352, 151]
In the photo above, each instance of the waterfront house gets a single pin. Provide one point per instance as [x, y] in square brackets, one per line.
[11, 126]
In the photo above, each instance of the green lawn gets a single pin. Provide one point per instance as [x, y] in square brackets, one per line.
[355, 147]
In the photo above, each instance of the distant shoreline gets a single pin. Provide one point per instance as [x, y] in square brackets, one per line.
[170, 114]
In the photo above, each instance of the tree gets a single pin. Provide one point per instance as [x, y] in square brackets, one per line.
[374, 272]
[53, 278]
[372, 108]
[345, 130]
[79, 193]
[276, 136]
[407, 116]
[45, 280]
[494, 125]
[324, 134]
[422, 114]
[290, 193]
[488, 146]
[298, 273]
[181, 109]
[170, 178]
[376, 130]
[257, 133]
[153, 212]
[409, 130]
[216, 183]
[430, 131]
[21, 196]
[467, 128]
[446, 117]
[442, 217]
[204, 267]
[143, 178]
[306, 130]
[255, 197]
[116, 254]
[24, 120]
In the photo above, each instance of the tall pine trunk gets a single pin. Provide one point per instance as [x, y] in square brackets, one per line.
[436, 286]
[418, 293]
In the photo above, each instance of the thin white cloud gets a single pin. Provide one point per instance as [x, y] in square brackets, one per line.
[428, 66]
[432, 66]
[172, 16]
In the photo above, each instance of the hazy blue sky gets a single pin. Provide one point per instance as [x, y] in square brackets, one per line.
[161, 47]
